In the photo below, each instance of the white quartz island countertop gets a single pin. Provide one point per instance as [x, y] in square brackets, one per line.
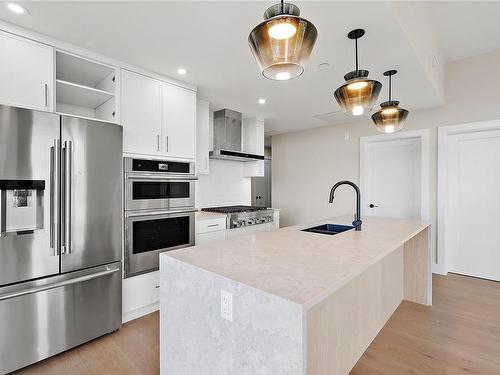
[314, 278]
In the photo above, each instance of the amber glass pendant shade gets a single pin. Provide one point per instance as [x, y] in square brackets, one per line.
[282, 43]
[390, 117]
[358, 94]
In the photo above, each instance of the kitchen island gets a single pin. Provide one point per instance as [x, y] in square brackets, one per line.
[288, 301]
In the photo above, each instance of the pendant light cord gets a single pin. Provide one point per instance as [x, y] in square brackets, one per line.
[356, 47]
[390, 87]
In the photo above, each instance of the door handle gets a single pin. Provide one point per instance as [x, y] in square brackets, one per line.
[54, 197]
[372, 205]
[68, 147]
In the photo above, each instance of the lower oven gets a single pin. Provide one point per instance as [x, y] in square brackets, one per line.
[151, 232]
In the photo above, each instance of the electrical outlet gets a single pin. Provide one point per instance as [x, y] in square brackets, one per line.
[226, 305]
[347, 136]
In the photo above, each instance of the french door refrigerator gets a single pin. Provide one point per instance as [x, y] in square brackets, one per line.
[60, 233]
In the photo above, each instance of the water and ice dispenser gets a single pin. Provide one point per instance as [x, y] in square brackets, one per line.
[21, 206]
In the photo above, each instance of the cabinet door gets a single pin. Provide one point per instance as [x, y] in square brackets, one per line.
[26, 73]
[210, 237]
[179, 121]
[202, 137]
[140, 113]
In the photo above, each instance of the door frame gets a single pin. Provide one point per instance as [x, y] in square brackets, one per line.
[444, 132]
[423, 136]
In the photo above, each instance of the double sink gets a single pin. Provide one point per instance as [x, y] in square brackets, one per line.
[330, 229]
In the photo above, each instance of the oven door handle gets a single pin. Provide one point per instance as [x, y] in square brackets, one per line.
[162, 178]
[157, 213]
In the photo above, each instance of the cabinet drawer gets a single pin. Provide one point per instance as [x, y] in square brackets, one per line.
[210, 225]
[210, 237]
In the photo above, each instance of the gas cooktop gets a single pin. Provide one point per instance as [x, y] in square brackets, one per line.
[233, 209]
[244, 216]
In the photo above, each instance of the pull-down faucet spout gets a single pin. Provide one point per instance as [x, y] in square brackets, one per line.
[357, 220]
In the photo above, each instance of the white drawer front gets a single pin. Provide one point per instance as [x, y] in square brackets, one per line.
[210, 225]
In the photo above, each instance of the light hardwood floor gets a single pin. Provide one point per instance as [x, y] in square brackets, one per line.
[459, 334]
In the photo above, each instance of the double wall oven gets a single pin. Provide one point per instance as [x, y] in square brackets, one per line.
[159, 211]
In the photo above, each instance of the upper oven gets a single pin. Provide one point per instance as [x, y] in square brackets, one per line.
[158, 184]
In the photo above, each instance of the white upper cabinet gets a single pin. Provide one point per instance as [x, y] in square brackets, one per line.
[86, 88]
[26, 73]
[141, 114]
[202, 137]
[178, 122]
[253, 143]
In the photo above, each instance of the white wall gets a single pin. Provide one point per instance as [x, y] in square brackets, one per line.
[306, 164]
[224, 186]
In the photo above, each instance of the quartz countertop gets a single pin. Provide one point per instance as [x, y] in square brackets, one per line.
[299, 266]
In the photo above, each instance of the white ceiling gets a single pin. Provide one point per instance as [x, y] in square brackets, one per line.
[209, 39]
[467, 28]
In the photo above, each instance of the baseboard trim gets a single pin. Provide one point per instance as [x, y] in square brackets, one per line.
[438, 269]
[141, 311]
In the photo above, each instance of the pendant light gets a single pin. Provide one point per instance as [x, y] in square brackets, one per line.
[358, 94]
[282, 43]
[390, 117]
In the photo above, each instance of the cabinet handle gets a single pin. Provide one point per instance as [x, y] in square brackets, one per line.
[167, 143]
[158, 143]
[113, 114]
[46, 93]
[212, 225]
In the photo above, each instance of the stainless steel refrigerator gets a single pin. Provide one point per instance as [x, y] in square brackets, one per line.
[60, 233]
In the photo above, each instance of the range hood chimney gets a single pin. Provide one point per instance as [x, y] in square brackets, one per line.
[227, 137]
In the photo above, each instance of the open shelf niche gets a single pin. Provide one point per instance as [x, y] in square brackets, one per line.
[85, 88]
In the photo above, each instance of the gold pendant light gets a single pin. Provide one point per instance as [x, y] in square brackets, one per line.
[359, 94]
[390, 117]
[282, 43]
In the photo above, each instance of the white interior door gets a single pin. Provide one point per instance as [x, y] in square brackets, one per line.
[473, 204]
[392, 178]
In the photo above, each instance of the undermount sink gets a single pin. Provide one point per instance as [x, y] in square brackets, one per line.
[330, 229]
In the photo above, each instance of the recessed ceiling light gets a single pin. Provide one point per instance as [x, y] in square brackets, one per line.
[181, 71]
[262, 101]
[16, 8]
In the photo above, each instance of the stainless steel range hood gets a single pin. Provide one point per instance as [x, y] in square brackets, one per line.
[227, 137]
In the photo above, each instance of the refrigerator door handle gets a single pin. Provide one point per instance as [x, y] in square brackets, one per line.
[54, 197]
[59, 284]
[68, 148]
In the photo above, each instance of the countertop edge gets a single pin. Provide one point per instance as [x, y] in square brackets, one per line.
[166, 255]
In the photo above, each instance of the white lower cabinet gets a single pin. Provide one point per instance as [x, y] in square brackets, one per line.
[141, 295]
[210, 230]
[204, 238]
[26, 73]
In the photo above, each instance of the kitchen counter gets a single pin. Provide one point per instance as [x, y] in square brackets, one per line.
[305, 302]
